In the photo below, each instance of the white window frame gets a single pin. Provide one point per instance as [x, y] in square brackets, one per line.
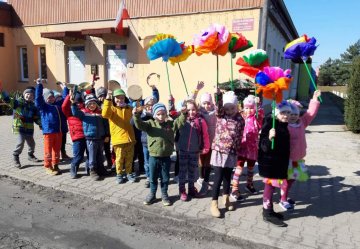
[22, 64]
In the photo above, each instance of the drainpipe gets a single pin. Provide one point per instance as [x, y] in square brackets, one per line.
[264, 21]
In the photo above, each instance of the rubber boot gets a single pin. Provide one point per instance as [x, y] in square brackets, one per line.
[274, 218]
[215, 212]
[228, 204]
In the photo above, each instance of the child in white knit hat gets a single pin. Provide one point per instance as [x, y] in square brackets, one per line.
[226, 143]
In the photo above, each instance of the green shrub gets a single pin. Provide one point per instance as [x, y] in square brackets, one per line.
[352, 103]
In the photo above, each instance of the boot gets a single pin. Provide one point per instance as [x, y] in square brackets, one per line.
[215, 212]
[17, 163]
[64, 156]
[94, 175]
[274, 218]
[228, 204]
[33, 158]
[56, 169]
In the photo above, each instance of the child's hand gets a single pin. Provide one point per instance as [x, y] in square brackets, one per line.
[200, 85]
[38, 81]
[205, 151]
[317, 94]
[183, 110]
[272, 134]
[109, 95]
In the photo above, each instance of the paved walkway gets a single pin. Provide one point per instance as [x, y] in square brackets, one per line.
[327, 211]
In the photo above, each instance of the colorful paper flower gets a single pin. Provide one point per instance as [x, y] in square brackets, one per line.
[164, 46]
[272, 81]
[214, 39]
[253, 62]
[300, 48]
[238, 43]
[186, 52]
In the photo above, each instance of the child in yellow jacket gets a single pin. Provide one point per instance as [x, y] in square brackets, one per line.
[122, 133]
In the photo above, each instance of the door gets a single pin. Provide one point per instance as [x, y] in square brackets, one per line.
[76, 60]
[116, 64]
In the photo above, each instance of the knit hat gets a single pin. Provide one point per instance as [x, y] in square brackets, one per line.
[90, 98]
[229, 98]
[101, 92]
[47, 93]
[249, 101]
[149, 98]
[295, 106]
[29, 89]
[119, 92]
[158, 107]
[206, 97]
[282, 107]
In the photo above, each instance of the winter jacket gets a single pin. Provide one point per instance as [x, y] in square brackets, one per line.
[194, 136]
[144, 117]
[24, 113]
[250, 137]
[51, 115]
[273, 163]
[160, 135]
[121, 130]
[297, 132]
[93, 122]
[228, 134]
[75, 124]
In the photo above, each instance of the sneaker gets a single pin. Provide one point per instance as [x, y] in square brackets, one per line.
[166, 201]
[131, 178]
[33, 158]
[150, 198]
[193, 192]
[120, 179]
[183, 196]
[236, 196]
[270, 217]
[285, 205]
[250, 188]
[17, 163]
[56, 169]
[291, 201]
[50, 171]
[94, 175]
[200, 181]
[147, 183]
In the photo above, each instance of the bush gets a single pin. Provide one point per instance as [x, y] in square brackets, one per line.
[352, 103]
[6, 109]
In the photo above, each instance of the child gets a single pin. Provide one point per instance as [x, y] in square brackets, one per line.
[52, 126]
[229, 125]
[273, 163]
[193, 139]
[122, 134]
[25, 114]
[64, 156]
[145, 116]
[207, 111]
[93, 126]
[249, 146]
[76, 133]
[160, 134]
[297, 125]
[101, 94]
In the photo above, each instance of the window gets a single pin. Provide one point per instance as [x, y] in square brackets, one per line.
[42, 63]
[24, 70]
[2, 40]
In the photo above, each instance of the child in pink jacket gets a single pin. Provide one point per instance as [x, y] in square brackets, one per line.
[248, 151]
[297, 126]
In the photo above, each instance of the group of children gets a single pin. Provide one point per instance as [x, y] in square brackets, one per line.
[210, 136]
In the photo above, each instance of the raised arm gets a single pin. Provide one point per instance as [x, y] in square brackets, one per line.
[39, 99]
[139, 123]
[76, 112]
[313, 109]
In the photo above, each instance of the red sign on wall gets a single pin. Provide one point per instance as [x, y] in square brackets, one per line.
[245, 24]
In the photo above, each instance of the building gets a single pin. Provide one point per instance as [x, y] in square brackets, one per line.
[68, 40]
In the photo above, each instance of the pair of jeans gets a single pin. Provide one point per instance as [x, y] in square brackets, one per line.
[21, 141]
[159, 167]
[79, 147]
[95, 158]
[146, 160]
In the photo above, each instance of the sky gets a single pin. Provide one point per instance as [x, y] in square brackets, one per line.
[334, 23]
